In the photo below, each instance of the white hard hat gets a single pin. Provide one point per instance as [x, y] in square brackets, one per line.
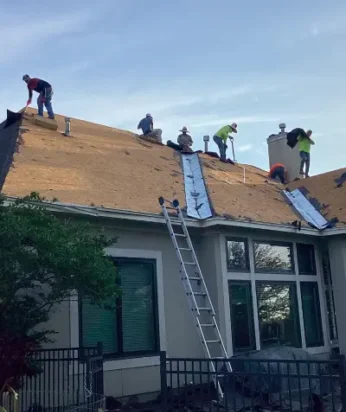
[234, 127]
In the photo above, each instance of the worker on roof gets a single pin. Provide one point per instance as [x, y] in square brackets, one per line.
[221, 136]
[147, 126]
[278, 171]
[304, 144]
[45, 94]
[185, 140]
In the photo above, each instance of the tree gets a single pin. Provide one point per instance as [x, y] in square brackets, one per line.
[43, 260]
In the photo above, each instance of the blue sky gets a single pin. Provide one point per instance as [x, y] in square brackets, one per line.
[196, 63]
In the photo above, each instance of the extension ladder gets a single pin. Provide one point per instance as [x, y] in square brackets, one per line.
[196, 290]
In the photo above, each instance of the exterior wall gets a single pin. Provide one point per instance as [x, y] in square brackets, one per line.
[178, 336]
[280, 152]
[124, 377]
[337, 254]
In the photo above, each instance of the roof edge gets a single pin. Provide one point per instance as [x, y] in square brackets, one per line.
[103, 212]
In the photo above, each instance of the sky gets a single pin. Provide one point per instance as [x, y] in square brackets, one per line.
[195, 63]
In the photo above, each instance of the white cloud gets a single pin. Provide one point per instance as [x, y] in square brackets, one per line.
[244, 148]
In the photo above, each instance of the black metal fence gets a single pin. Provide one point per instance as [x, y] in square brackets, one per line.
[253, 385]
[67, 378]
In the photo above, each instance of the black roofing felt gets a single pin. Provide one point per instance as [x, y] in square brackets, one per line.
[9, 132]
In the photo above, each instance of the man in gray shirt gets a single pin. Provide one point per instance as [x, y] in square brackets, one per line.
[185, 140]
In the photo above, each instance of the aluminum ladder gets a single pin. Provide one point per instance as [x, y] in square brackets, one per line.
[196, 291]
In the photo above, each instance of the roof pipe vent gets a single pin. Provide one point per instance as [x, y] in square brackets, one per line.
[282, 127]
[67, 126]
[206, 139]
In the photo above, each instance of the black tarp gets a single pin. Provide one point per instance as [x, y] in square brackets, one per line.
[9, 132]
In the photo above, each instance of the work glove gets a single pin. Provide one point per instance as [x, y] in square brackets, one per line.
[28, 103]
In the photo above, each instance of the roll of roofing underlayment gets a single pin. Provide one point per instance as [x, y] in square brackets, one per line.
[196, 195]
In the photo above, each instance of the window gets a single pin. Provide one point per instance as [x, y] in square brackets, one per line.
[242, 316]
[312, 314]
[306, 259]
[237, 255]
[278, 314]
[273, 257]
[132, 328]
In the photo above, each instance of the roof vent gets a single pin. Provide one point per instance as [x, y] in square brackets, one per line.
[206, 139]
[67, 126]
[282, 127]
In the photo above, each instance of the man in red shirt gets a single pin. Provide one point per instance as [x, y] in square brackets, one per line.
[279, 171]
[45, 94]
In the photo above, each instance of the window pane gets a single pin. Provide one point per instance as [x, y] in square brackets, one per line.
[312, 314]
[306, 259]
[278, 314]
[241, 316]
[99, 325]
[237, 255]
[138, 307]
[273, 257]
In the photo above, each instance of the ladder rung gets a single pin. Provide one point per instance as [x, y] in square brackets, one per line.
[213, 341]
[205, 309]
[193, 278]
[179, 234]
[207, 325]
[200, 293]
[189, 263]
[184, 248]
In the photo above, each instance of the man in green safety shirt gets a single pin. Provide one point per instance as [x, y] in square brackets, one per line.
[221, 136]
[304, 144]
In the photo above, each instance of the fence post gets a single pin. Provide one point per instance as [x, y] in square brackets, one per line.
[342, 366]
[163, 373]
[100, 378]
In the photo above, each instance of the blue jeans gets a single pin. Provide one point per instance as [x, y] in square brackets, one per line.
[45, 98]
[222, 147]
[305, 161]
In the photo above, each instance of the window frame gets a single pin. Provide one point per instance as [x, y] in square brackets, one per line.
[134, 354]
[291, 245]
[247, 254]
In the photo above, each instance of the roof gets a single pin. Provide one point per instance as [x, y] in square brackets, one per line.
[104, 166]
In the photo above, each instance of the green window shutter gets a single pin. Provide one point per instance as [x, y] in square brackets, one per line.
[99, 325]
[312, 314]
[138, 307]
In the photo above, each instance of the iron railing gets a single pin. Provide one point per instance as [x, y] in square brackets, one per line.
[66, 379]
[253, 385]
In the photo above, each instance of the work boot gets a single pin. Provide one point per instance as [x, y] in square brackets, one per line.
[51, 117]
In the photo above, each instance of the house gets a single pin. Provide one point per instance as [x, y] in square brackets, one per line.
[271, 280]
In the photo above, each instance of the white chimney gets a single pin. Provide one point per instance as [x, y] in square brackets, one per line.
[206, 139]
[280, 152]
[67, 126]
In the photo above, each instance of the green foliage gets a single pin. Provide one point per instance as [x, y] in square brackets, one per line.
[44, 259]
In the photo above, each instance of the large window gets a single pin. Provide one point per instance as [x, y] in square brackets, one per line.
[328, 289]
[131, 327]
[273, 257]
[242, 316]
[278, 314]
[312, 314]
[237, 255]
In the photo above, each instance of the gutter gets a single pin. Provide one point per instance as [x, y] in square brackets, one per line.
[103, 212]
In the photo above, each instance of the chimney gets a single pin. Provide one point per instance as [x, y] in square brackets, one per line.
[206, 142]
[280, 152]
[67, 126]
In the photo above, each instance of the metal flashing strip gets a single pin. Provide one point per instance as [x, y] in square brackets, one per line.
[197, 200]
[306, 209]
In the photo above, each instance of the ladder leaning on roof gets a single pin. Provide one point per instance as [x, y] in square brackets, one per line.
[192, 279]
